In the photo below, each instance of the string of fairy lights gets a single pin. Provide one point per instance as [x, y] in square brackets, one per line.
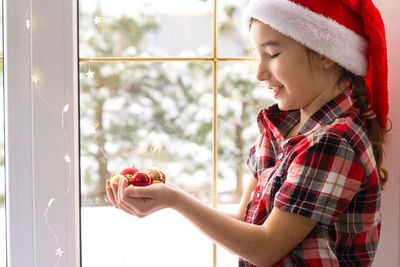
[35, 83]
[36, 87]
[97, 20]
[93, 130]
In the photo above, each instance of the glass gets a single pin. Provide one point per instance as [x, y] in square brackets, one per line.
[144, 114]
[233, 37]
[160, 114]
[240, 98]
[145, 28]
[2, 170]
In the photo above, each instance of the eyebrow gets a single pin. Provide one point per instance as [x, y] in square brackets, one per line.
[272, 43]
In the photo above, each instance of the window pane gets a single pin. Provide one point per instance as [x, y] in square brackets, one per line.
[145, 28]
[240, 98]
[233, 38]
[2, 171]
[144, 114]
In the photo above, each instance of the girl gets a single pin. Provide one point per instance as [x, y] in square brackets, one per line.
[317, 164]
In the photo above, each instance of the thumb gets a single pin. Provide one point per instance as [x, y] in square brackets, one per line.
[140, 191]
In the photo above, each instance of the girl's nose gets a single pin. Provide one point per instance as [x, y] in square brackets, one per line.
[263, 73]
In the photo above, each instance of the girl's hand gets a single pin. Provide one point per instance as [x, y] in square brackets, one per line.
[141, 201]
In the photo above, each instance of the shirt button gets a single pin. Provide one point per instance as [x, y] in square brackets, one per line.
[280, 156]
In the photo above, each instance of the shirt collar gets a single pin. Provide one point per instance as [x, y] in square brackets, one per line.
[279, 123]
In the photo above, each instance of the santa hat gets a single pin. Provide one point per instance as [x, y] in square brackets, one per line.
[349, 32]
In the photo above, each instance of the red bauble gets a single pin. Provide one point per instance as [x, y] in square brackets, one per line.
[130, 171]
[141, 179]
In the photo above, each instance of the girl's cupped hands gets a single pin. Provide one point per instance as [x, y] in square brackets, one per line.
[141, 201]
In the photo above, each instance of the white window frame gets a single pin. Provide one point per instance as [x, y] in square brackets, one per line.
[34, 141]
[35, 167]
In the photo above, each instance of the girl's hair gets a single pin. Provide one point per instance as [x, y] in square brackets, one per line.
[375, 133]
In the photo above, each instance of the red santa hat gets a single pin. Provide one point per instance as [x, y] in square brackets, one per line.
[349, 32]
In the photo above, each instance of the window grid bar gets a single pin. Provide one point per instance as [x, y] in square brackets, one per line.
[215, 117]
[163, 59]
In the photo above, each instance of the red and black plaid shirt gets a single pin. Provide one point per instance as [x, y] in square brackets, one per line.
[327, 173]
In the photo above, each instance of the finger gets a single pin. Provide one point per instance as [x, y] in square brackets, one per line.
[124, 202]
[129, 205]
[110, 194]
[132, 205]
[127, 209]
[136, 206]
[144, 199]
[123, 183]
[114, 194]
[145, 192]
[114, 187]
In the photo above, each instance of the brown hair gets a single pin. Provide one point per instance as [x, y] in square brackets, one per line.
[375, 133]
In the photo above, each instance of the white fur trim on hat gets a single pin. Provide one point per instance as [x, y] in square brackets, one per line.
[319, 33]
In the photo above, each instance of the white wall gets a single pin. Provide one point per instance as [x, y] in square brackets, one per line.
[35, 145]
[389, 247]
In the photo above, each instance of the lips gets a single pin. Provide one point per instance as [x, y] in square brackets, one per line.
[276, 90]
[276, 87]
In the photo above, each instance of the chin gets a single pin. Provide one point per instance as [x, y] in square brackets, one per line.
[282, 106]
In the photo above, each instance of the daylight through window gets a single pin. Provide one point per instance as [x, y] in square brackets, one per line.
[165, 84]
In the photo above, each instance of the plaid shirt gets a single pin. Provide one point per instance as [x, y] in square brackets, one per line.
[327, 173]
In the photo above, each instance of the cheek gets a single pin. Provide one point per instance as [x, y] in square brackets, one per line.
[294, 74]
[282, 71]
[293, 78]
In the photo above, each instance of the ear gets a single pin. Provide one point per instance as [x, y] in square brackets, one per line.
[325, 63]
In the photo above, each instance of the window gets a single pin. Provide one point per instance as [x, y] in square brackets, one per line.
[36, 142]
[152, 88]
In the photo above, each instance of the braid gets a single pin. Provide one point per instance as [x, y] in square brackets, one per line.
[375, 133]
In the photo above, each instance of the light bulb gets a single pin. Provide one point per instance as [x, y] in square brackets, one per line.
[90, 74]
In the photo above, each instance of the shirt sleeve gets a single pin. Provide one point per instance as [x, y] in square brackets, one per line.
[251, 161]
[321, 180]
[261, 156]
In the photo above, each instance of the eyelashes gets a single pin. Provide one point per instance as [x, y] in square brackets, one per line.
[273, 56]
[267, 56]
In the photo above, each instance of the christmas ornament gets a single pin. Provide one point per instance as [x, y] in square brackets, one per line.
[157, 175]
[139, 178]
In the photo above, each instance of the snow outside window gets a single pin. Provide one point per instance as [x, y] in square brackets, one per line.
[146, 99]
